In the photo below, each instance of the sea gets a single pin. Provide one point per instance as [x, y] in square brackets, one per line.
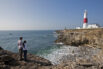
[38, 42]
[41, 43]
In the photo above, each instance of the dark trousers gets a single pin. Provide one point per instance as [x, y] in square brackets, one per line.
[25, 55]
[20, 53]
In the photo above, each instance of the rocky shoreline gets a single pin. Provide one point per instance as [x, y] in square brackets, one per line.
[85, 38]
[9, 60]
[81, 37]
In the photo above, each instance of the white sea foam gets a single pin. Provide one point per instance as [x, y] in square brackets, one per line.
[60, 43]
[56, 55]
[69, 53]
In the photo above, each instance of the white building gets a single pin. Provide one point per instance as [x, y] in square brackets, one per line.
[93, 26]
[90, 26]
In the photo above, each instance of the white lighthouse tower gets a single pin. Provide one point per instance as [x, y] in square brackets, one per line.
[85, 20]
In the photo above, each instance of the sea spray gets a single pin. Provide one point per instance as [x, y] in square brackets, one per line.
[70, 53]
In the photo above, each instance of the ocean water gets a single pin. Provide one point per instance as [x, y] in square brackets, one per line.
[38, 42]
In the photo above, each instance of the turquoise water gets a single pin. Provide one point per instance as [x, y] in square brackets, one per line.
[38, 42]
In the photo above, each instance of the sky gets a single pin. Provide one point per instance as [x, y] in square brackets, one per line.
[48, 14]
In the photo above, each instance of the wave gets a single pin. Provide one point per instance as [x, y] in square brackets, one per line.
[69, 53]
[60, 43]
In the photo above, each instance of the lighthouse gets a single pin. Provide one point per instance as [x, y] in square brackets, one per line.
[85, 21]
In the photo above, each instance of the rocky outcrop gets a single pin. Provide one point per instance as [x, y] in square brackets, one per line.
[94, 63]
[92, 38]
[9, 60]
[85, 37]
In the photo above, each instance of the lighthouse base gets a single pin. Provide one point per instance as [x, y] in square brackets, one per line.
[84, 25]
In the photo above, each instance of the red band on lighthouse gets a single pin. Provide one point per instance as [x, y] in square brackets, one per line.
[85, 20]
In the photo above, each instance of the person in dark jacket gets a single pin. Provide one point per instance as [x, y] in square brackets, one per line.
[25, 50]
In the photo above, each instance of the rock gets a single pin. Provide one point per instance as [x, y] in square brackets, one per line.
[81, 37]
[9, 60]
[1, 48]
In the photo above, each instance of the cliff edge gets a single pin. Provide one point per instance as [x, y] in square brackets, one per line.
[78, 37]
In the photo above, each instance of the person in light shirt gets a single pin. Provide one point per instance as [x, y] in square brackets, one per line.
[25, 50]
[20, 47]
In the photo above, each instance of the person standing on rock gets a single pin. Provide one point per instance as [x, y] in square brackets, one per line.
[20, 46]
[25, 50]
